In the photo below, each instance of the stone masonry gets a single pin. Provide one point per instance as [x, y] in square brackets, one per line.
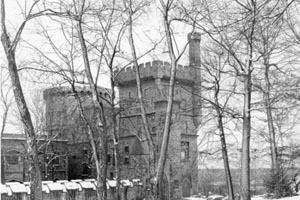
[181, 167]
[181, 172]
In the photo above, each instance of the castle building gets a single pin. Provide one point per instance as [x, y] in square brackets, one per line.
[64, 123]
[180, 175]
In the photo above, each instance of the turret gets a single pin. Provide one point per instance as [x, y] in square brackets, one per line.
[194, 39]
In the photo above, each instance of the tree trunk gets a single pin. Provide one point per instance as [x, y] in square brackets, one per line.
[245, 167]
[91, 140]
[224, 148]
[9, 48]
[226, 161]
[35, 175]
[115, 133]
[247, 76]
[273, 145]
[100, 111]
[152, 161]
[167, 125]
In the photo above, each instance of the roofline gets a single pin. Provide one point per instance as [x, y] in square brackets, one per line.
[24, 139]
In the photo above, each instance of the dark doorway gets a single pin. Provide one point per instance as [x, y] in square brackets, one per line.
[186, 188]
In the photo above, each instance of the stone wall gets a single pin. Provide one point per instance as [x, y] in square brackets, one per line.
[180, 175]
[71, 190]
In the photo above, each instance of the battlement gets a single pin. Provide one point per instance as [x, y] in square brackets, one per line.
[153, 70]
[62, 91]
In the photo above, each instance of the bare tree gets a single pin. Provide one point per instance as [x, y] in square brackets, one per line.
[146, 127]
[214, 65]
[235, 32]
[244, 70]
[5, 99]
[10, 45]
[270, 31]
[98, 55]
[166, 8]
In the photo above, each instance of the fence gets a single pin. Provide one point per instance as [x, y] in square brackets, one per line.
[72, 190]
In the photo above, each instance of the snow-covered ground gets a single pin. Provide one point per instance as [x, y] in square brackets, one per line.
[252, 198]
[285, 198]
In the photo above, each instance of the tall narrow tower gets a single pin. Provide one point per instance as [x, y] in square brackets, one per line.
[194, 39]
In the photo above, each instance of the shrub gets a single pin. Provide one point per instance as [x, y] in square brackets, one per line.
[277, 184]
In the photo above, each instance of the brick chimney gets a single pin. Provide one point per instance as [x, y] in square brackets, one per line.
[194, 39]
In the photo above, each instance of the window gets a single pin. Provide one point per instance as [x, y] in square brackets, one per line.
[151, 117]
[12, 159]
[153, 130]
[85, 152]
[126, 161]
[55, 160]
[108, 159]
[111, 159]
[111, 175]
[126, 155]
[185, 147]
[126, 149]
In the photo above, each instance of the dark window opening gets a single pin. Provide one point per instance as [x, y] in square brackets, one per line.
[108, 159]
[12, 159]
[85, 169]
[111, 175]
[126, 155]
[113, 157]
[126, 161]
[85, 152]
[157, 149]
[151, 117]
[153, 130]
[185, 148]
[126, 149]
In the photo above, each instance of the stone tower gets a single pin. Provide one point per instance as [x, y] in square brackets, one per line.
[63, 121]
[181, 168]
[195, 62]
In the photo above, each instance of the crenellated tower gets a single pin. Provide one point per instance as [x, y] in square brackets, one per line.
[181, 168]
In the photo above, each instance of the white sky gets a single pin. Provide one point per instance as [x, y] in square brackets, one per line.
[149, 25]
